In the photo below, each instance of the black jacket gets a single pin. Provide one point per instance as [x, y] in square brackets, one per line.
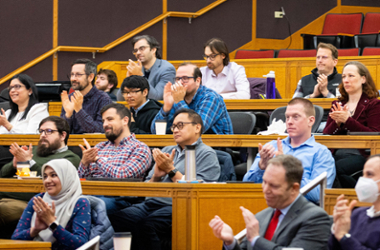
[144, 117]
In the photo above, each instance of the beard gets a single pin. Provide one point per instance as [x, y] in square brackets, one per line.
[113, 135]
[44, 150]
[80, 86]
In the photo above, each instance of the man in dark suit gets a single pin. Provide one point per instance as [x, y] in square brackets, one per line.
[149, 64]
[290, 220]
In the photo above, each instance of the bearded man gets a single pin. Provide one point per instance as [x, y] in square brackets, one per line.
[81, 109]
[54, 134]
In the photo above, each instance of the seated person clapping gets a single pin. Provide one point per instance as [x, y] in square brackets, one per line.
[359, 229]
[357, 110]
[60, 215]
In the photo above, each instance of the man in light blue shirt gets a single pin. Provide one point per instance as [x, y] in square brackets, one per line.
[289, 221]
[315, 158]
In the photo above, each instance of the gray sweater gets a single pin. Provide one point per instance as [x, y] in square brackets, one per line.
[207, 165]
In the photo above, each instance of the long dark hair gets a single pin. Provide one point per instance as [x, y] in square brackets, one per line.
[28, 82]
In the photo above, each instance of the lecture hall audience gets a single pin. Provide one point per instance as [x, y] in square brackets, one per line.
[356, 110]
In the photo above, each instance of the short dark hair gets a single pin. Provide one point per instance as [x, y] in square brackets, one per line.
[193, 116]
[334, 51]
[151, 41]
[308, 105]
[293, 167]
[90, 67]
[197, 72]
[28, 82]
[135, 82]
[60, 123]
[217, 45]
[111, 77]
[121, 110]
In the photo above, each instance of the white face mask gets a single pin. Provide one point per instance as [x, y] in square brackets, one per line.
[367, 190]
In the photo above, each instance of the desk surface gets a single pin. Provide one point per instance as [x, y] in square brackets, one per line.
[24, 245]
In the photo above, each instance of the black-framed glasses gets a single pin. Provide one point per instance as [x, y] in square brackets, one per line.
[184, 79]
[212, 57]
[47, 131]
[77, 75]
[180, 125]
[141, 49]
[16, 87]
[134, 92]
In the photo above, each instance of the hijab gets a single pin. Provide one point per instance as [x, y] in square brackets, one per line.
[65, 200]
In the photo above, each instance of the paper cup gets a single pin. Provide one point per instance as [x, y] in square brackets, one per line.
[122, 241]
[161, 127]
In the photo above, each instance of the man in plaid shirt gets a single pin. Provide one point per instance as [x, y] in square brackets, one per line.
[189, 93]
[122, 156]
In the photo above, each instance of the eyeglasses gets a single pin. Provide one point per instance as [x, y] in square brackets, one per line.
[180, 125]
[131, 92]
[141, 49]
[47, 131]
[77, 75]
[323, 57]
[212, 57]
[184, 79]
[16, 87]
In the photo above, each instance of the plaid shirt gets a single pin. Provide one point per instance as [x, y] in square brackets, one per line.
[209, 105]
[129, 160]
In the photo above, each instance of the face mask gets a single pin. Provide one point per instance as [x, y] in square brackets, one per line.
[367, 190]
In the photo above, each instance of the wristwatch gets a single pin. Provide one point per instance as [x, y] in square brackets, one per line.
[346, 236]
[53, 226]
[172, 173]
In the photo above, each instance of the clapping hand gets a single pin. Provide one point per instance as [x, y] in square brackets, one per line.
[267, 152]
[67, 105]
[134, 68]
[221, 230]
[89, 154]
[339, 114]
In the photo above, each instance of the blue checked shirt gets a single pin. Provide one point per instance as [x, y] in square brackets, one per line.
[208, 104]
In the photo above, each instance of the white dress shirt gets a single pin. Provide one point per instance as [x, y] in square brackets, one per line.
[231, 83]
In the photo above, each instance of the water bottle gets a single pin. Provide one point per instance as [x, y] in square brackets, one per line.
[190, 167]
[270, 89]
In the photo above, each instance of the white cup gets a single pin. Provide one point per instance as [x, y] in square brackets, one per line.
[122, 241]
[161, 127]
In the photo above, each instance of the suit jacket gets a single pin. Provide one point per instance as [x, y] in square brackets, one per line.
[161, 73]
[305, 226]
[365, 119]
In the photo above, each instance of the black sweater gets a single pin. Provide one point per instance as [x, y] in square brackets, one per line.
[144, 117]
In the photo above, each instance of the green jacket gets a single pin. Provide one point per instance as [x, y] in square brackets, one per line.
[8, 171]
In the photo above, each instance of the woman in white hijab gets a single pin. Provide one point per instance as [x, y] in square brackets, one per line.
[60, 215]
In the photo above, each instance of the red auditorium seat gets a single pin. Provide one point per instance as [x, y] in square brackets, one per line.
[371, 51]
[254, 54]
[370, 32]
[348, 52]
[336, 24]
[296, 53]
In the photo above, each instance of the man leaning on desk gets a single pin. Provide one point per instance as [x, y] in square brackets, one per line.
[150, 220]
[315, 158]
[54, 134]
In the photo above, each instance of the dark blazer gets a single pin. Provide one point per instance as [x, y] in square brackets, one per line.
[305, 226]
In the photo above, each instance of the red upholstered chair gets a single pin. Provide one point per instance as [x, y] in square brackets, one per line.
[371, 51]
[370, 32]
[254, 54]
[348, 52]
[336, 24]
[296, 53]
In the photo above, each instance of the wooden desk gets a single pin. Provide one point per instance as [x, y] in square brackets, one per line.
[194, 205]
[254, 104]
[24, 245]
[349, 194]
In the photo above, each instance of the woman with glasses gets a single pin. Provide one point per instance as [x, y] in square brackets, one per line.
[25, 112]
[357, 110]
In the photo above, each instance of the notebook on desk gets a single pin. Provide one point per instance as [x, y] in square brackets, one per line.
[363, 133]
